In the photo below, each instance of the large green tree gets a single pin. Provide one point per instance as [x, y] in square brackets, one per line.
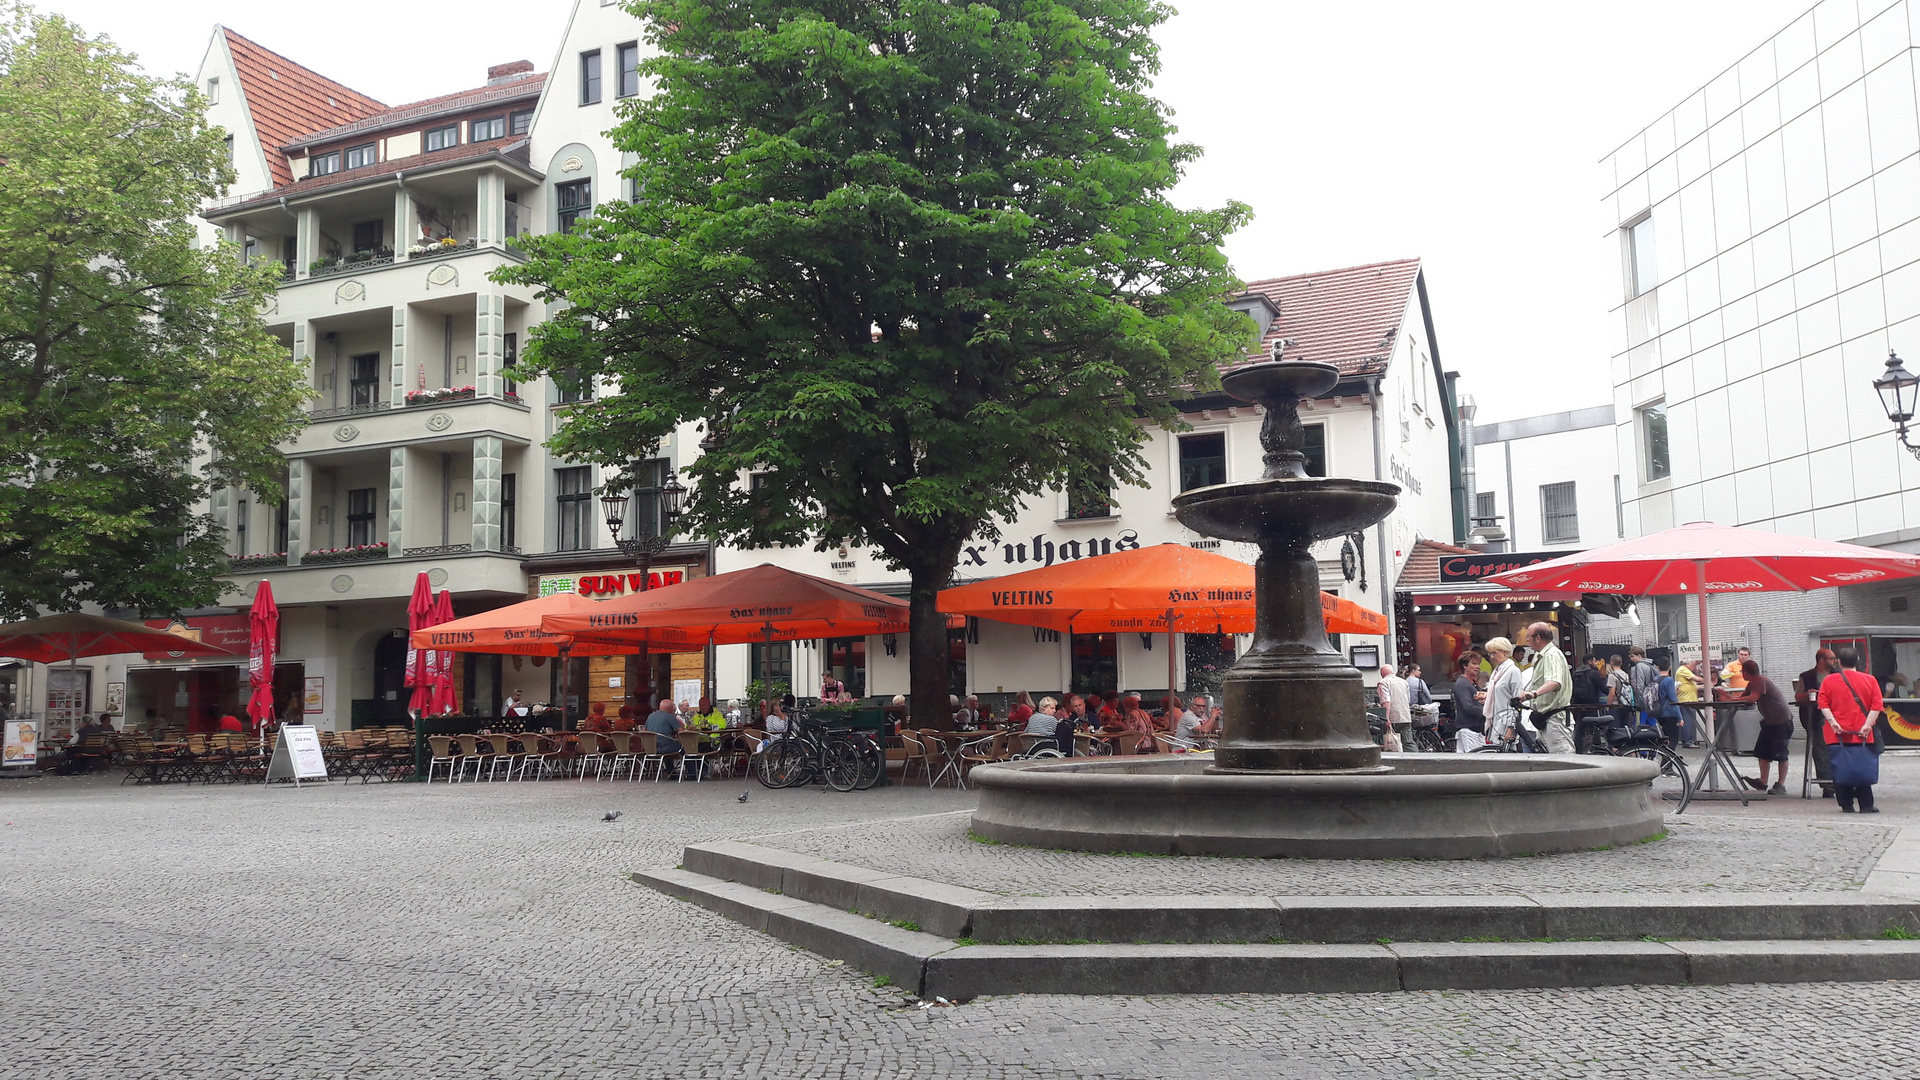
[911, 260]
[135, 372]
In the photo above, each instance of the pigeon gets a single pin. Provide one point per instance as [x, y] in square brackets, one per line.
[742, 798]
[612, 815]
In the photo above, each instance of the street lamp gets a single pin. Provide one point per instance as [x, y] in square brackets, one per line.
[1898, 389]
[643, 549]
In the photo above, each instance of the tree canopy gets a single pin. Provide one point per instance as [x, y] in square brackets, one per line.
[912, 262]
[136, 374]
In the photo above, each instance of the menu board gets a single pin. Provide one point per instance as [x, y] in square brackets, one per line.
[297, 756]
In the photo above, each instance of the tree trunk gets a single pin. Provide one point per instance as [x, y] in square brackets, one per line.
[927, 651]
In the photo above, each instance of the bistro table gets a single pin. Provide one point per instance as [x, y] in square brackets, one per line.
[1705, 782]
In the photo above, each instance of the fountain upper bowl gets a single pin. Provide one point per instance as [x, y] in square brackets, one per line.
[1286, 508]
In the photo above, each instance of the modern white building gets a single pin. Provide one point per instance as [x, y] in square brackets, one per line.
[1766, 232]
[1548, 483]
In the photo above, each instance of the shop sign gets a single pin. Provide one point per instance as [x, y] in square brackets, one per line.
[1471, 568]
[230, 632]
[604, 585]
[1043, 552]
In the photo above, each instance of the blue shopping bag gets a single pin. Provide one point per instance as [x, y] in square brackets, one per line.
[1854, 764]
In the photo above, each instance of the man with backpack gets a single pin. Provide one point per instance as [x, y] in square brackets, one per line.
[1642, 674]
[1666, 705]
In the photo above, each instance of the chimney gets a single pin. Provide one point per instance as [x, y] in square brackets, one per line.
[500, 73]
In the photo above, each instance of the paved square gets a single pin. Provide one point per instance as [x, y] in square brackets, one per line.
[488, 931]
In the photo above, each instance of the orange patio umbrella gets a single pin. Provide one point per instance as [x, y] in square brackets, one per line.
[765, 603]
[515, 630]
[1167, 588]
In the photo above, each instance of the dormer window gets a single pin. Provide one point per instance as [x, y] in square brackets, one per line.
[442, 138]
[325, 164]
[359, 157]
[521, 122]
[493, 127]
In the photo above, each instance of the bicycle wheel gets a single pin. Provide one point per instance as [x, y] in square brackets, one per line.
[1428, 741]
[842, 764]
[1673, 782]
[873, 763]
[781, 763]
[1489, 748]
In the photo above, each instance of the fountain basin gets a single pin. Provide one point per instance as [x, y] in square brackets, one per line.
[1285, 509]
[1430, 806]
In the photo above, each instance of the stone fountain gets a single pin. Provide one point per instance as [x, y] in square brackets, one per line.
[1296, 773]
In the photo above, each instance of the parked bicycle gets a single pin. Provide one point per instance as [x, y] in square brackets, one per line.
[846, 759]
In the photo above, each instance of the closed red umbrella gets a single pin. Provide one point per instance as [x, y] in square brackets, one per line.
[440, 661]
[419, 617]
[263, 635]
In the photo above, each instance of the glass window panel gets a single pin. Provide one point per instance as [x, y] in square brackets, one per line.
[1653, 426]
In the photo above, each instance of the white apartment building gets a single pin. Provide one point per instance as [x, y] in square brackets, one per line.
[1767, 235]
[421, 456]
[1548, 483]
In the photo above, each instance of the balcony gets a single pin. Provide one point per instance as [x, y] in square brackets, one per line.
[349, 264]
[336, 556]
[256, 562]
[447, 420]
[437, 249]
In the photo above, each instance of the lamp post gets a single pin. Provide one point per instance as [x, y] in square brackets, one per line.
[1898, 388]
[643, 549]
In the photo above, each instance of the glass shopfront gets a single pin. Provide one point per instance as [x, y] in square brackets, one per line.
[1449, 624]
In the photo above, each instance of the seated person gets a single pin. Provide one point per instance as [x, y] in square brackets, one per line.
[665, 725]
[231, 723]
[1195, 722]
[707, 718]
[1043, 722]
[625, 721]
[774, 719]
[596, 718]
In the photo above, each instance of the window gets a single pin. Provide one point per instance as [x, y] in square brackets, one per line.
[629, 59]
[1090, 495]
[1669, 619]
[493, 127]
[1484, 512]
[368, 235]
[1096, 663]
[441, 138]
[590, 77]
[570, 387]
[360, 516]
[575, 201]
[325, 164]
[509, 520]
[1315, 446]
[643, 512]
[279, 527]
[1655, 462]
[240, 528]
[1203, 460]
[1642, 273]
[521, 122]
[781, 655]
[847, 662]
[359, 157]
[573, 491]
[365, 385]
[1559, 515]
[213, 91]
[229, 144]
[509, 356]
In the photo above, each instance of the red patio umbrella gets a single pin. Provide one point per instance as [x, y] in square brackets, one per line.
[263, 636]
[419, 617]
[440, 661]
[1703, 558]
[73, 635]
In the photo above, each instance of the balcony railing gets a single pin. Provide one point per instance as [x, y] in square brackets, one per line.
[348, 410]
[440, 549]
[256, 562]
[364, 553]
[347, 264]
[440, 248]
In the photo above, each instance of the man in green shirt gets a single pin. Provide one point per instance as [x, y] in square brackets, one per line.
[1550, 686]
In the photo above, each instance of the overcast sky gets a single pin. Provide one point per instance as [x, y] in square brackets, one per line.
[1358, 130]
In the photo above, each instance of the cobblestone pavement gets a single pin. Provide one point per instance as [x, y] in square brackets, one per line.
[487, 931]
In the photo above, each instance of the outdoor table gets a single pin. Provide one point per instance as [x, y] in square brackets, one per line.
[1718, 760]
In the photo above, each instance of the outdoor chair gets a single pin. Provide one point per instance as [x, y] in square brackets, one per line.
[591, 754]
[650, 755]
[943, 759]
[625, 755]
[1172, 744]
[443, 753]
[981, 752]
[504, 755]
[907, 751]
[535, 754]
[691, 754]
[471, 754]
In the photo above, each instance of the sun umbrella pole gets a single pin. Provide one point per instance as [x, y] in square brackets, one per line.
[1170, 691]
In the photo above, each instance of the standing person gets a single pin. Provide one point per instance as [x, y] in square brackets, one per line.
[1549, 686]
[1642, 674]
[1619, 691]
[1850, 700]
[1686, 688]
[1393, 694]
[1666, 705]
[1776, 727]
[1469, 715]
[1812, 722]
[1504, 687]
[1417, 692]
[1590, 693]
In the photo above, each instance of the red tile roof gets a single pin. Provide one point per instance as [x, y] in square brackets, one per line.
[286, 99]
[1422, 567]
[462, 101]
[513, 147]
[1342, 317]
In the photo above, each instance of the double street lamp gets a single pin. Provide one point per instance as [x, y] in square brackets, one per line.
[643, 549]
[1898, 389]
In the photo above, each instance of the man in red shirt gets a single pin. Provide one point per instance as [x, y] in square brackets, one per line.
[1851, 703]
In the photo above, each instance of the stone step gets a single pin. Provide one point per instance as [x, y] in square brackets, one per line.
[930, 965]
[957, 912]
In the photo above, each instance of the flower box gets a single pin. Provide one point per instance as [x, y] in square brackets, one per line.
[363, 553]
[430, 397]
[256, 562]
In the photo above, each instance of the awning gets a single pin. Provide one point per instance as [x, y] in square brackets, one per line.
[1439, 600]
